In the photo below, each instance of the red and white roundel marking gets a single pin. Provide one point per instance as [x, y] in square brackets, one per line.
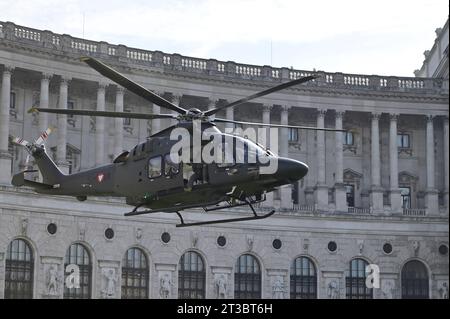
[100, 177]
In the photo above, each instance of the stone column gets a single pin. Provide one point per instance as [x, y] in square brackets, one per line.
[266, 120]
[286, 190]
[118, 122]
[62, 126]
[376, 193]
[229, 116]
[339, 187]
[5, 157]
[156, 123]
[446, 163]
[43, 101]
[321, 189]
[176, 99]
[211, 105]
[100, 127]
[431, 195]
[393, 161]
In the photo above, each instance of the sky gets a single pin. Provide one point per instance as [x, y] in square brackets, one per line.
[384, 37]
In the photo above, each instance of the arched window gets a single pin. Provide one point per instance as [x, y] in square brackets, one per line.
[355, 282]
[303, 279]
[247, 278]
[78, 257]
[415, 280]
[191, 276]
[19, 270]
[134, 275]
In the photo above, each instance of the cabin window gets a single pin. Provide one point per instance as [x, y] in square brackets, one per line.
[154, 167]
[170, 168]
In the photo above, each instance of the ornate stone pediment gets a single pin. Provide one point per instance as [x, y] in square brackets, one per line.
[351, 176]
[407, 179]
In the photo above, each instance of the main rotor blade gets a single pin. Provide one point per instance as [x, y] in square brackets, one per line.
[262, 93]
[277, 125]
[131, 85]
[142, 116]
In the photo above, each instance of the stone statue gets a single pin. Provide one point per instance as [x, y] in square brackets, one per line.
[221, 283]
[110, 287]
[53, 280]
[165, 286]
[387, 288]
[194, 239]
[416, 246]
[278, 288]
[443, 291]
[333, 290]
[138, 234]
[360, 246]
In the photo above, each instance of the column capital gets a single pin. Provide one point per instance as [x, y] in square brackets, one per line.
[394, 117]
[120, 89]
[212, 102]
[375, 115]
[102, 85]
[339, 114]
[445, 119]
[46, 76]
[321, 111]
[285, 108]
[176, 98]
[65, 80]
[430, 118]
[267, 107]
[8, 69]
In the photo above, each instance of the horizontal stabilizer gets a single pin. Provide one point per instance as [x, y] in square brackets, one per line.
[19, 180]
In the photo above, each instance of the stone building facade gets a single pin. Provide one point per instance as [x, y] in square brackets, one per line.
[375, 195]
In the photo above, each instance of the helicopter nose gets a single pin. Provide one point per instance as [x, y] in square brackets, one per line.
[291, 170]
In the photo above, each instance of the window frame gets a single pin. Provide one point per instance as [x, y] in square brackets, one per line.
[347, 193]
[401, 138]
[135, 274]
[20, 267]
[355, 286]
[309, 281]
[403, 196]
[293, 135]
[248, 279]
[345, 138]
[85, 273]
[419, 286]
[196, 279]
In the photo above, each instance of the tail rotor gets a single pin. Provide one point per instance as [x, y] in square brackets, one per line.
[31, 147]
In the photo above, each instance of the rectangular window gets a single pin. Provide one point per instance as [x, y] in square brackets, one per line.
[405, 197]
[347, 138]
[170, 168]
[403, 140]
[154, 167]
[350, 194]
[293, 135]
[12, 101]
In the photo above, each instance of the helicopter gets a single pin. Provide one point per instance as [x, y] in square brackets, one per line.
[154, 178]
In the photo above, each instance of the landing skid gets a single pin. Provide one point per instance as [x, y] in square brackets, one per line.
[218, 221]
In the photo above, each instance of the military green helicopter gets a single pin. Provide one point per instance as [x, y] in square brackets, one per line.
[152, 181]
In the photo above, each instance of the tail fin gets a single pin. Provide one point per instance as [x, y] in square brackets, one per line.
[50, 172]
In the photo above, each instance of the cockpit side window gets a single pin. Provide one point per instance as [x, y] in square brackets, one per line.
[170, 168]
[154, 166]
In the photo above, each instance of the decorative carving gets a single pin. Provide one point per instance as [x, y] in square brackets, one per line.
[278, 288]
[250, 241]
[194, 238]
[138, 233]
[24, 226]
[306, 244]
[415, 246]
[443, 290]
[375, 116]
[165, 285]
[387, 288]
[360, 243]
[333, 289]
[53, 280]
[221, 282]
[81, 231]
[91, 124]
[109, 283]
